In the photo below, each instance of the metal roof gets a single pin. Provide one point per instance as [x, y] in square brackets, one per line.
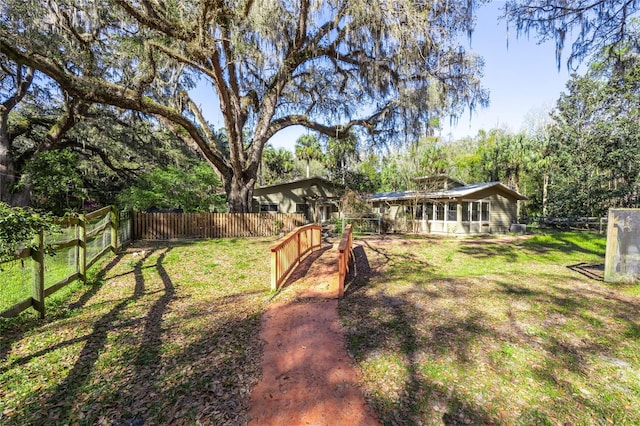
[458, 192]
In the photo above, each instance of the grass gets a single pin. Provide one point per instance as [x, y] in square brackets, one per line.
[515, 330]
[162, 334]
[494, 331]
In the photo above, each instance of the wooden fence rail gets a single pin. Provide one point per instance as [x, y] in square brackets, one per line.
[567, 222]
[289, 250]
[344, 250]
[175, 226]
[83, 236]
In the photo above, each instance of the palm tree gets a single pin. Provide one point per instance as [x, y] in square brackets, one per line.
[307, 149]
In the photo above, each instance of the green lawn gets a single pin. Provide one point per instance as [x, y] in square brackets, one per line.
[516, 330]
[475, 331]
[164, 334]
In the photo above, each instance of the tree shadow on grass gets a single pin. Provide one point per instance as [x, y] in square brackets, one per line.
[203, 376]
[387, 324]
[403, 336]
[67, 392]
[16, 328]
[508, 250]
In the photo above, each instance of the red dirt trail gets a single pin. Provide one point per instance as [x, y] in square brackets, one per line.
[307, 376]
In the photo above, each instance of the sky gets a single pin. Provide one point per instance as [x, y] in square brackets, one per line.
[522, 78]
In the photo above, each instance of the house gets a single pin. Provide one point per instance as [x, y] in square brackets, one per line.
[315, 197]
[447, 206]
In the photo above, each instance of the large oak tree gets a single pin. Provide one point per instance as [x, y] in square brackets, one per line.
[334, 66]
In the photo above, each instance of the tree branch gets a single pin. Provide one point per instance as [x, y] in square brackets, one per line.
[337, 132]
[22, 87]
[97, 90]
[172, 29]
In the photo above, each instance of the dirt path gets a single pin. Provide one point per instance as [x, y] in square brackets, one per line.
[307, 376]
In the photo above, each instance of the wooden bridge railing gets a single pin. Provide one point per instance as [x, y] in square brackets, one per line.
[289, 250]
[344, 249]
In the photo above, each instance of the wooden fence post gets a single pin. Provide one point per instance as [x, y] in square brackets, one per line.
[82, 247]
[274, 270]
[115, 226]
[38, 275]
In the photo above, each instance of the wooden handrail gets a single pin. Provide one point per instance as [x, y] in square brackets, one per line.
[344, 250]
[290, 249]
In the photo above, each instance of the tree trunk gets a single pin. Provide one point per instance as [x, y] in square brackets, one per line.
[239, 193]
[8, 170]
[545, 186]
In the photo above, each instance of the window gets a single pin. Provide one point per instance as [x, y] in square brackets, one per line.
[466, 210]
[452, 212]
[301, 208]
[479, 211]
[485, 212]
[270, 207]
[428, 210]
[475, 211]
[439, 211]
[419, 211]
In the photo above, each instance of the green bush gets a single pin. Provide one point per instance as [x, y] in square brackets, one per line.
[18, 228]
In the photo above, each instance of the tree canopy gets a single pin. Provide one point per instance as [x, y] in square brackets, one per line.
[333, 66]
[589, 25]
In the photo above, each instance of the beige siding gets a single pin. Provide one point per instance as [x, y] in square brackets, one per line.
[503, 213]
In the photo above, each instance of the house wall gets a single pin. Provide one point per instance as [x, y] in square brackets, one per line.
[288, 196]
[502, 213]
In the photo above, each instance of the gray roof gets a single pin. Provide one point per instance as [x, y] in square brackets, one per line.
[458, 192]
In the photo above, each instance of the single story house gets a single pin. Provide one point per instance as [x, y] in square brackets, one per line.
[447, 206]
[316, 198]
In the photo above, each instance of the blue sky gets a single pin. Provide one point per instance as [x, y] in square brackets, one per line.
[521, 78]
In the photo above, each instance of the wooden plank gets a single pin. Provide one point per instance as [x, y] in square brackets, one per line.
[38, 276]
[611, 250]
[17, 308]
[103, 211]
[115, 227]
[82, 245]
[99, 230]
[57, 286]
[65, 244]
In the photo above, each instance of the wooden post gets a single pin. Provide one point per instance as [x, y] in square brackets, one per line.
[610, 274]
[38, 275]
[274, 270]
[115, 226]
[82, 247]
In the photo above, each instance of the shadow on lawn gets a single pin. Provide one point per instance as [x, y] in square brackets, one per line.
[150, 379]
[373, 338]
[16, 328]
[67, 392]
[434, 335]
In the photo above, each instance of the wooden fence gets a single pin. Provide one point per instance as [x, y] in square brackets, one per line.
[344, 250]
[85, 238]
[289, 250]
[577, 223]
[176, 226]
